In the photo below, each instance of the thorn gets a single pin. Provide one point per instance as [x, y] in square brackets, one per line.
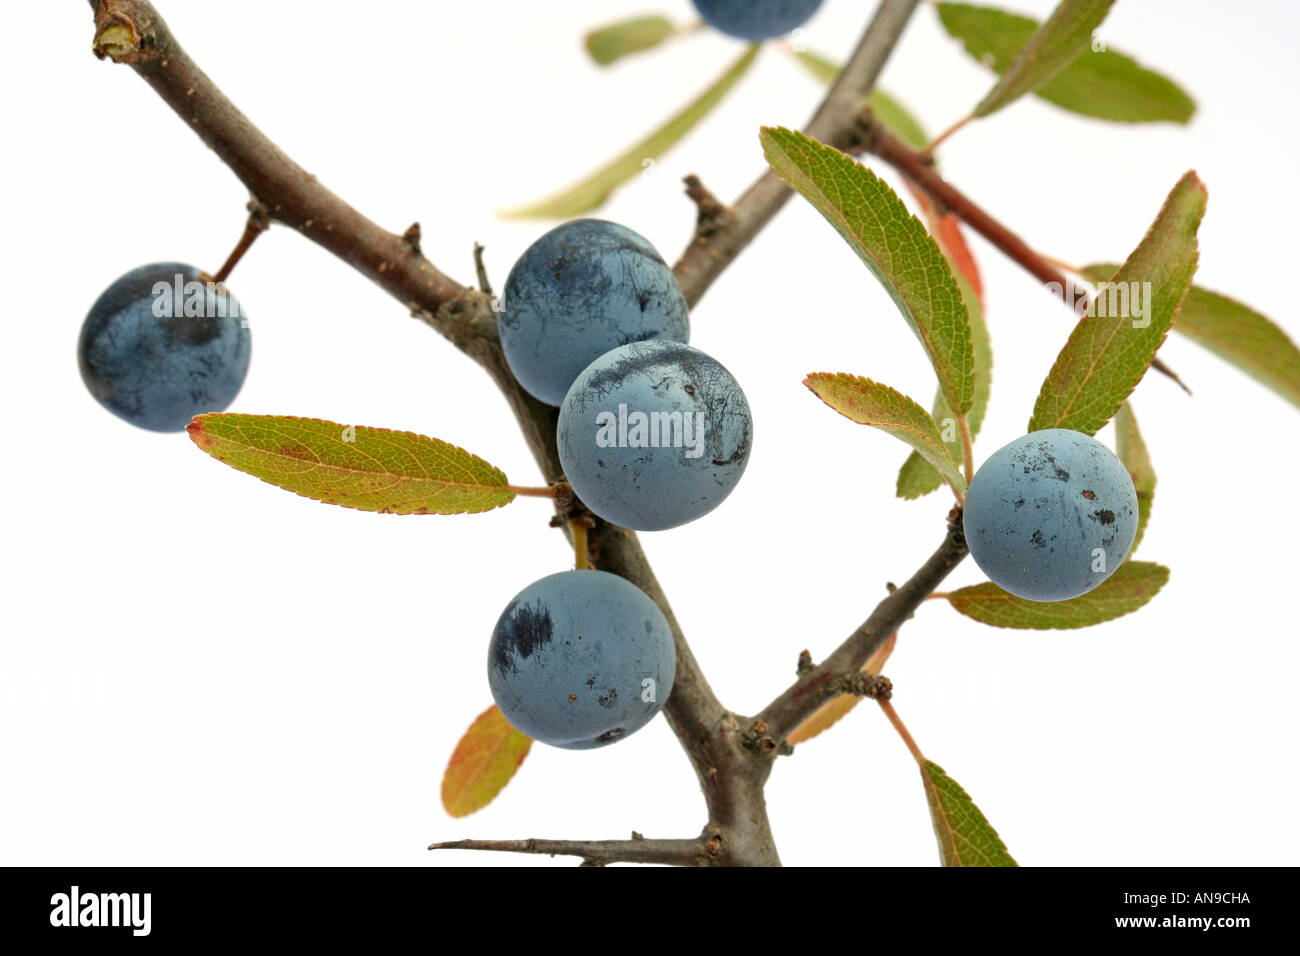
[483, 285]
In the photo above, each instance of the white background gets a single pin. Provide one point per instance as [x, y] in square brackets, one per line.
[200, 668]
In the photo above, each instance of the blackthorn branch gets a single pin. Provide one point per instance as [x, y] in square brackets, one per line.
[919, 168]
[731, 774]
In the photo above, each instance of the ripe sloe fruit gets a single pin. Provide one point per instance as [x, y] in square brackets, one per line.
[581, 659]
[1051, 515]
[654, 434]
[146, 360]
[580, 290]
[756, 19]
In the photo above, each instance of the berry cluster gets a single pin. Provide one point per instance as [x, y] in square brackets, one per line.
[652, 433]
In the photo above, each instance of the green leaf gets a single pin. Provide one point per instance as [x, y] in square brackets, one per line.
[482, 764]
[617, 40]
[1065, 34]
[595, 189]
[887, 109]
[893, 243]
[1111, 347]
[823, 69]
[1237, 334]
[870, 403]
[372, 469]
[966, 838]
[1132, 451]
[917, 477]
[1133, 584]
[1104, 84]
[895, 116]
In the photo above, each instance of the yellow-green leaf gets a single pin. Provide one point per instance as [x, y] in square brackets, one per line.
[1133, 584]
[616, 40]
[1102, 83]
[894, 245]
[896, 117]
[482, 764]
[870, 403]
[1132, 451]
[1235, 333]
[886, 108]
[1049, 50]
[1112, 346]
[918, 477]
[821, 67]
[966, 838]
[829, 713]
[593, 191]
[372, 469]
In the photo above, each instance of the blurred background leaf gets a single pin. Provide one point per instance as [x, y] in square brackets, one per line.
[1104, 84]
[1107, 355]
[592, 192]
[614, 41]
[1132, 451]
[1236, 333]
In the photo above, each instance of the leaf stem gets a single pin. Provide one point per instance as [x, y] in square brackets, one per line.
[528, 491]
[917, 167]
[897, 721]
[256, 225]
[1061, 264]
[928, 151]
[578, 526]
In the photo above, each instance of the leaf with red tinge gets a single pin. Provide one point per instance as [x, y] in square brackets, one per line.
[1236, 333]
[595, 189]
[829, 713]
[966, 838]
[892, 243]
[917, 477]
[482, 763]
[870, 403]
[1110, 349]
[946, 230]
[371, 469]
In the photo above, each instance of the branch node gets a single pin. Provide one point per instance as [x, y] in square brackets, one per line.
[117, 36]
[805, 665]
[863, 684]
[757, 739]
[412, 238]
[711, 215]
